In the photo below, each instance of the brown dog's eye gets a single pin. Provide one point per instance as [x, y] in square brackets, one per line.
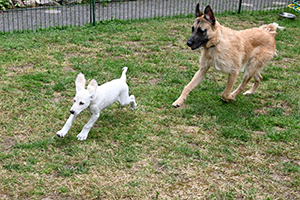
[81, 103]
[193, 29]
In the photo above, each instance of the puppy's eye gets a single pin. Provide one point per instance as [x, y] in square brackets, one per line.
[81, 103]
[74, 101]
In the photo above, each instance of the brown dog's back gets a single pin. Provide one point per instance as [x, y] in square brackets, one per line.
[259, 43]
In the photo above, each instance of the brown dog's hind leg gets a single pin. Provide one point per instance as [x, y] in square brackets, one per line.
[226, 96]
[242, 86]
[257, 78]
[251, 71]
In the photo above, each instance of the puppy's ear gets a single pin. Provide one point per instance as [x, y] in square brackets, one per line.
[198, 12]
[92, 87]
[209, 15]
[80, 82]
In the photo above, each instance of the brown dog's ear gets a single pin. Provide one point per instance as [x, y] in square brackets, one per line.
[198, 12]
[209, 15]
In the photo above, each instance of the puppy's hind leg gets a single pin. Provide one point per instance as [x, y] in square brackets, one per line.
[125, 99]
[132, 102]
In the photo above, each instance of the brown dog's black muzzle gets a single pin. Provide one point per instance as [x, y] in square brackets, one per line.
[189, 43]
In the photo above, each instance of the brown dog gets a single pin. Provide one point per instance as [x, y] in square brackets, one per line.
[229, 51]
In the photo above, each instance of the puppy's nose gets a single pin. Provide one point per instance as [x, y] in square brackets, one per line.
[72, 112]
[189, 43]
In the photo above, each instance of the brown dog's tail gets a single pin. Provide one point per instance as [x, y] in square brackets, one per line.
[271, 28]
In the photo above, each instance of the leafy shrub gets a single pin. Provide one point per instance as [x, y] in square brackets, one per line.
[4, 4]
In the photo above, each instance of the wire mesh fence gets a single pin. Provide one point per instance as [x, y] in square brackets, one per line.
[37, 18]
[81, 14]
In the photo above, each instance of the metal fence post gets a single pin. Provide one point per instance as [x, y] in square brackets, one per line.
[240, 6]
[92, 12]
[94, 19]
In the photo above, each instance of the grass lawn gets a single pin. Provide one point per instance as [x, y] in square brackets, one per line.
[205, 150]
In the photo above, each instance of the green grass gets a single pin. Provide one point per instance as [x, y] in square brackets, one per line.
[205, 150]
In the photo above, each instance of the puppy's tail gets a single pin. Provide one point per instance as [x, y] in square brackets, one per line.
[271, 28]
[124, 70]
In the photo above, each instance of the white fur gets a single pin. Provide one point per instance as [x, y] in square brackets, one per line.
[96, 98]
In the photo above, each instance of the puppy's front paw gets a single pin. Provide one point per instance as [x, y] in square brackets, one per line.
[61, 133]
[82, 136]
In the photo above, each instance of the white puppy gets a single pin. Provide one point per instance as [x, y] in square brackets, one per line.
[96, 98]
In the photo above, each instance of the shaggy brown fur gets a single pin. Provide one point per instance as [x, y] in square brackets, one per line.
[229, 51]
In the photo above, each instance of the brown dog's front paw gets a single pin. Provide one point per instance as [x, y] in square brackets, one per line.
[178, 103]
[228, 99]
